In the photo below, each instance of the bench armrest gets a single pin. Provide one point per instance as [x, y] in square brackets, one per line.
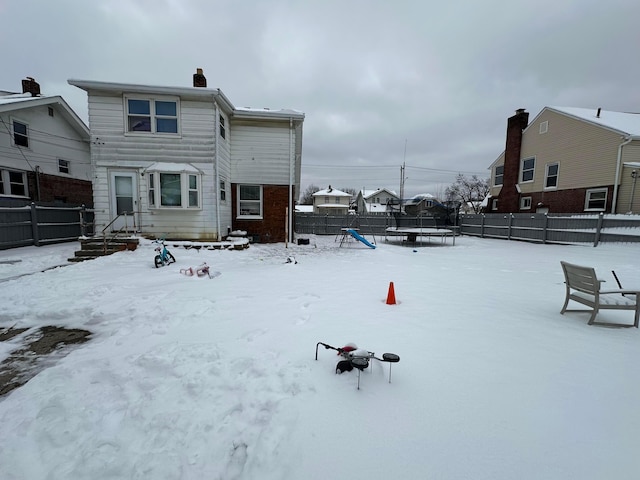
[623, 292]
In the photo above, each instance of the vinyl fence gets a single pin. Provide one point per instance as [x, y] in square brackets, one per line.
[554, 228]
[41, 225]
[539, 227]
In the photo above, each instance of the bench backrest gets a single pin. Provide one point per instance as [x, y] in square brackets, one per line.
[580, 278]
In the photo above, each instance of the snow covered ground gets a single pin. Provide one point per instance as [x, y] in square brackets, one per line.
[194, 378]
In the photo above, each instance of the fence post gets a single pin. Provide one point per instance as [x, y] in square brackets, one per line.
[482, 227]
[544, 230]
[509, 229]
[596, 240]
[34, 225]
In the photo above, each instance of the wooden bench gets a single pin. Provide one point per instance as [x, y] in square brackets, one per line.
[583, 286]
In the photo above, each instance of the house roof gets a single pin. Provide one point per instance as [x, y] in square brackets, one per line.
[370, 193]
[193, 92]
[334, 192]
[22, 101]
[333, 205]
[625, 123]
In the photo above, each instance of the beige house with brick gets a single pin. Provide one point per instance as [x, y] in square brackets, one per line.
[568, 160]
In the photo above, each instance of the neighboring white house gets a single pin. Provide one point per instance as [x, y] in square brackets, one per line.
[44, 150]
[331, 201]
[184, 163]
[381, 201]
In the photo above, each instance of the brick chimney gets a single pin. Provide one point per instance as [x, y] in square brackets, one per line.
[29, 85]
[199, 80]
[509, 198]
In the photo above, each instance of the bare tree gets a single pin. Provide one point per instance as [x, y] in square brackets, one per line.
[307, 196]
[468, 190]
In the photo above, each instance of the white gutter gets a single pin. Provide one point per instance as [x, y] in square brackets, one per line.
[216, 186]
[616, 183]
[291, 160]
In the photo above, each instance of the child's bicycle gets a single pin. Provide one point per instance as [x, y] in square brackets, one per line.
[164, 256]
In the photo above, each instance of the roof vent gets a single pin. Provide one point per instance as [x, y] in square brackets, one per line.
[598, 114]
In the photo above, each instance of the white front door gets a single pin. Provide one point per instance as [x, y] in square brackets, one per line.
[124, 200]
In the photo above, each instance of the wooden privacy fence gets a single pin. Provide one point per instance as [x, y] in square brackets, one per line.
[40, 225]
[538, 227]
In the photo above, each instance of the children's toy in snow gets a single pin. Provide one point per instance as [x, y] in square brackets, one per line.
[357, 358]
[201, 271]
[163, 257]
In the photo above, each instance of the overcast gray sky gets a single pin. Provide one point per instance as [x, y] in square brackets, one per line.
[428, 83]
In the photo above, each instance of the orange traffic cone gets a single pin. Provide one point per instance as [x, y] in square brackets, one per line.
[391, 296]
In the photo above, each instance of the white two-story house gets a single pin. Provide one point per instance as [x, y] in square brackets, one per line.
[184, 163]
[44, 150]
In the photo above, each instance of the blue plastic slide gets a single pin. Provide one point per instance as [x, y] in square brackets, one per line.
[357, 236]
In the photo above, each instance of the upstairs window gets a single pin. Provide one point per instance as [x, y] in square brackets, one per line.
[152, 116]
[223, 132]
[63, 166]
[498, 175]
[528, 169]
[20, 134]
[551, 176]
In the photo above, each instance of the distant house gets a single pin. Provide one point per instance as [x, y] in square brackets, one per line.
[420, 204]
[331, 201]
[184, 163]
[381, 201]
[568, 160]
[44, 150]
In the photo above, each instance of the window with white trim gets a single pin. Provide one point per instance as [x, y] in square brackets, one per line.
[223, 132]
[527, 169]
[498, 175]
[525, 203]
[223, 190]
[551, 176]
[494, 204]
[544, 127]
[250, 201]
[174, 190]
[64, 166]
[152, 190]
[596, 200]
[20, 134]
[13, 183]
[150, 115]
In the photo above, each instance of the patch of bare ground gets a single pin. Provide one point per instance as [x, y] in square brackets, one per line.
[36, 349]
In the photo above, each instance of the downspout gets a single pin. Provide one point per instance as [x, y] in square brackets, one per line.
[216, 185]
[291, 160]
[616, 183]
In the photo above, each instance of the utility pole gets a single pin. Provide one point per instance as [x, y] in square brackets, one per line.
[402, 178]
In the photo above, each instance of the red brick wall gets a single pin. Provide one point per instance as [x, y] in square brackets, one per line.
[563, 201]
[271, 228]
[60, 190]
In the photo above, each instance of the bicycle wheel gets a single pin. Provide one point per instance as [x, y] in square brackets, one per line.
[158, 261]
[170, 258]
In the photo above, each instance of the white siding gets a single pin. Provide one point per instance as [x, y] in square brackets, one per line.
[50, 138]
[113, 150]
[261, 153]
